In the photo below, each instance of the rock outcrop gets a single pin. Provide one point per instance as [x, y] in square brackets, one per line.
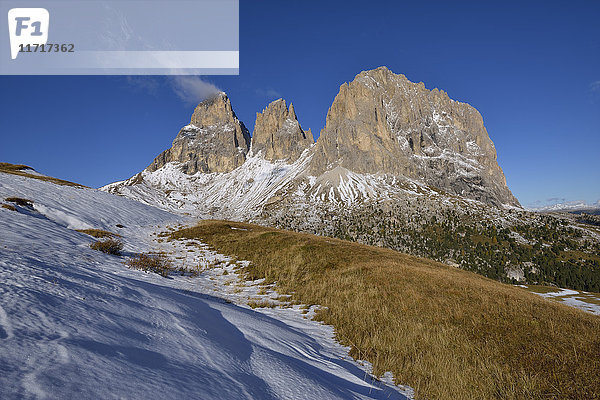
[214, 141]
[383, 123]
[278, 134]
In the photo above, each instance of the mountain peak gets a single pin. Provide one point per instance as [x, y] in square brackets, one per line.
[383, 123]
[214, 141]
[214, 110]
[379, 123]
[278, 134]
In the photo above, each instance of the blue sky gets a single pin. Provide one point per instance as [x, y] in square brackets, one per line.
[533, 71]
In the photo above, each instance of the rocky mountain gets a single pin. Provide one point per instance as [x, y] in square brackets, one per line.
[396, 165]
[383, 123]
[215, 140]
[379, 124]
[278, 135]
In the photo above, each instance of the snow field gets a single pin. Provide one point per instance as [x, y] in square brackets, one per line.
[76, 323]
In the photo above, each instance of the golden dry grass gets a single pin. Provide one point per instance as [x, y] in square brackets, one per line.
[21, 170]
[9, 207]
[19, 201]
[109, 246]
[261, 304]
[151, 262]
[97, 233]
[448, 333]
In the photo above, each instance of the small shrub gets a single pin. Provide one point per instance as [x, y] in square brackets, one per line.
[9, 207]
[263, 290]
[108, 246]
[20, 201]
[97, 233]
[120, 226]
[148, 262]
[261, 304]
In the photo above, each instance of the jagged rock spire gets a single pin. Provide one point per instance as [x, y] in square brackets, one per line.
[214, 141]
[278, 134]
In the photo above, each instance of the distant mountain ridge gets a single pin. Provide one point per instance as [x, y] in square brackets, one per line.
[577, 206]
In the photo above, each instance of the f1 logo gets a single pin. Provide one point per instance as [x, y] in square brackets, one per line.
[27, 26]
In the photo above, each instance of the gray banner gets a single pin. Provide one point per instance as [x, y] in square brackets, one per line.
[131, 37]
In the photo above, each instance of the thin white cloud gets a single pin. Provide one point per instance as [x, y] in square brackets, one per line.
[595, 86]
[146, 84]
[192, 89]
[268, 93]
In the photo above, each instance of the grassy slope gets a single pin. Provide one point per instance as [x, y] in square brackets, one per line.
[21, 170]
[448, 333]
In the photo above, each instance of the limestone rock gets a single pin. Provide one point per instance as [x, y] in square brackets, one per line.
[214, 141]
[278, 134]
[383, 123]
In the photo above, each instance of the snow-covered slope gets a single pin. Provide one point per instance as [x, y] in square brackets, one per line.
[76, 323]
[233, 195]
[244, 193]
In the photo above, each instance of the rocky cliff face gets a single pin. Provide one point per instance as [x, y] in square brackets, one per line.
[379, 126]
[383, 123]
[214, 141]
[278, 134]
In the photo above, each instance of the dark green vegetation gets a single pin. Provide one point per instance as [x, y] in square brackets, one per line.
[22, 170]
[590, 219]
[448, 333]
[536, 248]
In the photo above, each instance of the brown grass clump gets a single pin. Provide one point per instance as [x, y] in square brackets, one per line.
[13, 167]
[148, 262]
[9, 207]
[97, 233]
[109, 246]
[261, 304]
[21, 170]
[448, 333]
[19, 201]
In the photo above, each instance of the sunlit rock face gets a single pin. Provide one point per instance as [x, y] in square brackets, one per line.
[383, 123]
[214, 141]
[278, 134]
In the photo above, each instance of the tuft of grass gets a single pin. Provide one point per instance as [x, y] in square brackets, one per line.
[9, 207]
[21, 170]
[109, 246]
[19, 201]
[13, 167]
[446, 332]
[97, 233]
[263, 290]
[261, 304]
[148, 262]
